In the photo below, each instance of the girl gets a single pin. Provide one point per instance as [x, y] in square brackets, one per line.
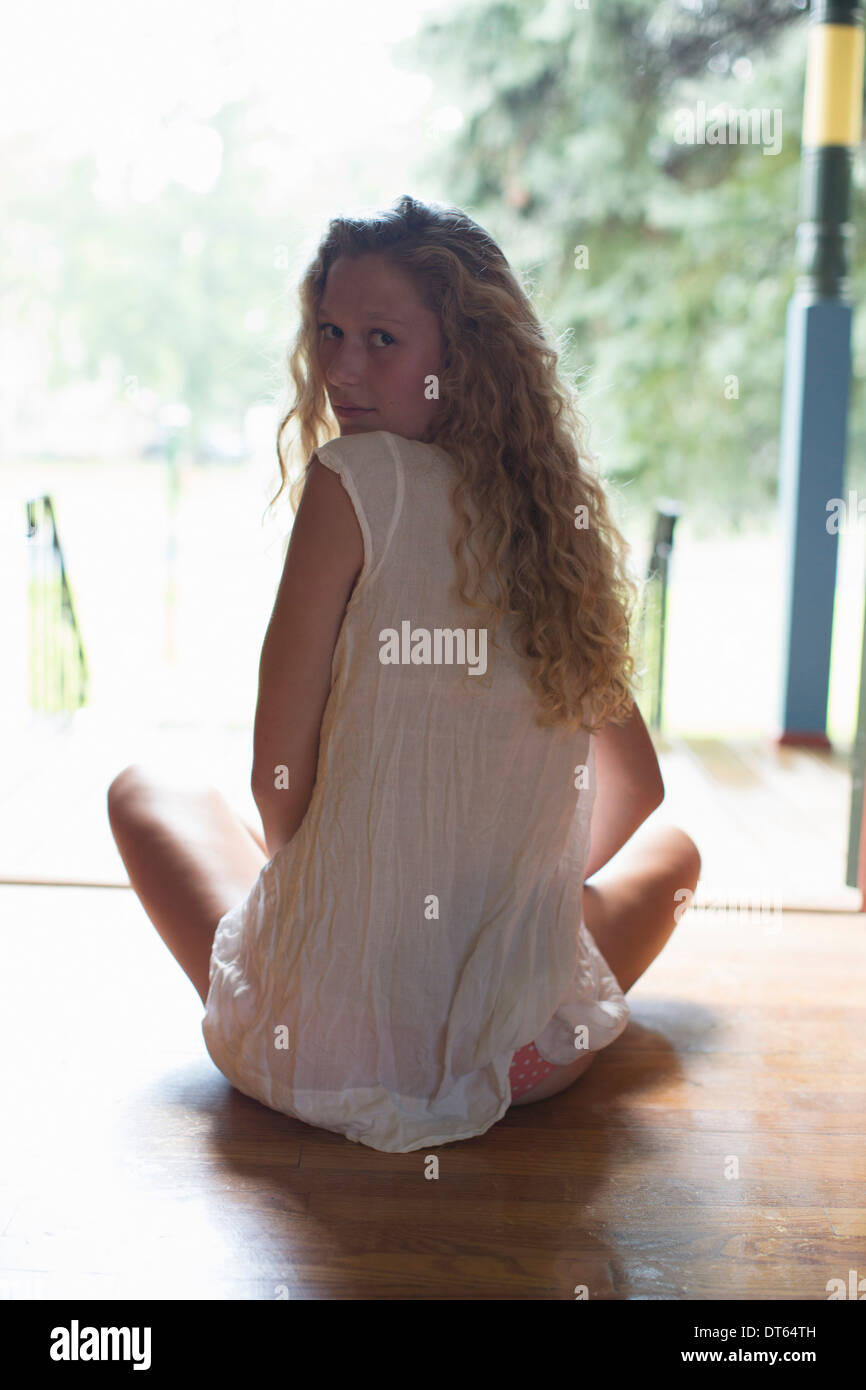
[410, 945]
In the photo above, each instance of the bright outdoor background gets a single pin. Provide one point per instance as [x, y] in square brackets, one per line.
[167, 170]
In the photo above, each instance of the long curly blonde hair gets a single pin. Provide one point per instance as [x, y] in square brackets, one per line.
[515, 432]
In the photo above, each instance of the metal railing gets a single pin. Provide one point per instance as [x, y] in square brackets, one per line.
[58, 672]
[653, 614]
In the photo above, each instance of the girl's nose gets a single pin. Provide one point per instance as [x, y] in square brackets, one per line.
[345, 364]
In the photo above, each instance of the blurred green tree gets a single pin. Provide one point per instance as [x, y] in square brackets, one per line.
[180, 295]
[669, 265]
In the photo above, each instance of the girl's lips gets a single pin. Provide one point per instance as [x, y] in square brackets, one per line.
[352, 409]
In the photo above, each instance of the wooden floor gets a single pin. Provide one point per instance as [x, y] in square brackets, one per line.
[714, 1151]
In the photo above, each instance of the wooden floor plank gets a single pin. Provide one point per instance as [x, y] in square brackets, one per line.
[715, 1150]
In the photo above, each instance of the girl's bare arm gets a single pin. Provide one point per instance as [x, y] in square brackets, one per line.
[629, 787]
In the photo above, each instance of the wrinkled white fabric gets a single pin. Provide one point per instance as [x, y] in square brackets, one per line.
[425, 921]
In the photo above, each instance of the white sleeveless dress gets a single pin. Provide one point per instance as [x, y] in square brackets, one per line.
[424, 922]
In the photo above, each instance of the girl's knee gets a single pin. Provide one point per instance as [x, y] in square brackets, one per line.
[137, 799]
[123, 791]
[688, 854]
[679, 853]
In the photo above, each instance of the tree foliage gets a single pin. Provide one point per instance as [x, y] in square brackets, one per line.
[672, 319]
[675, 326]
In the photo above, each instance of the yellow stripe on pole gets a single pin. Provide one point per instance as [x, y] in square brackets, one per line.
[833, 107]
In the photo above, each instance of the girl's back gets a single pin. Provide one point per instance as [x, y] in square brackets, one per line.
[424, 923]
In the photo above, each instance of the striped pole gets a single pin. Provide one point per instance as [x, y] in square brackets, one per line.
[818, 366]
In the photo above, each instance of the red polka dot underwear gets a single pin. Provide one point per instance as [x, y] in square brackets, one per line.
[528, 1067]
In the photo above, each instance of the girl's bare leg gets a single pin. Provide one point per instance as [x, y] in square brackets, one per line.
[628, 908]
[189, 857]
[629, 904]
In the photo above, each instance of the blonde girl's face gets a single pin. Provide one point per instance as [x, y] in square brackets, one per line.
[378, 346]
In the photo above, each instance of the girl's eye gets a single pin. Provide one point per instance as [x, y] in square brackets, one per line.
[380, 331]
